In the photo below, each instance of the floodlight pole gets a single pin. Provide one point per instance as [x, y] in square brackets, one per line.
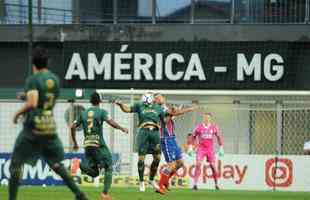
[30, 37]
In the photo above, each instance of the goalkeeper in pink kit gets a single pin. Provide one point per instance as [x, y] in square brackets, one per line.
[204, 135]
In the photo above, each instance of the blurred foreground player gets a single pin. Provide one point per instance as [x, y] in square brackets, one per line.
[38, 137]
[171, 150]
[204, 134]
[97, 153]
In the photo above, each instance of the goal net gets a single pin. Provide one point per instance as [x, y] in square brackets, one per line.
[253, 125]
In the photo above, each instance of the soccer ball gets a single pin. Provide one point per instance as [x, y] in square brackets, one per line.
[147, 98]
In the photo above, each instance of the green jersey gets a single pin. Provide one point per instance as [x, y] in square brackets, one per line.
[148, 113]
[41, 120]
[92, 120]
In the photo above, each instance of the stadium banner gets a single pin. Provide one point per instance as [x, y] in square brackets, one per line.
[41, 174]
[235, 172]
[245, 172]
[186, 65]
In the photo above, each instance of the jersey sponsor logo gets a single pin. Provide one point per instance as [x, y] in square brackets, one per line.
[44, 123]
[149, 110]
[92, 140]
[208, 134]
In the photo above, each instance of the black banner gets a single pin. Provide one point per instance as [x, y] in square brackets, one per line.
[168, 65]
[14, 58]
[187, 65]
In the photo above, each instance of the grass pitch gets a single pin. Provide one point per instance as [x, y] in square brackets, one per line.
[62, 193]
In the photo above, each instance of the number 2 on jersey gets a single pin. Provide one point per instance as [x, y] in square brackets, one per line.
[50, 97]
[90, 121]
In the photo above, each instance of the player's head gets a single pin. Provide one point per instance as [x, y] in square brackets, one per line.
[159, 99]
[189, 138]
[39, 58]
[207, 117]
[95, 99]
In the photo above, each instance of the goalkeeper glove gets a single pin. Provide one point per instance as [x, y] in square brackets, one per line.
[221, 151]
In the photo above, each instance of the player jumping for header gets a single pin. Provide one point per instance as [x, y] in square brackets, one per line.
[148, 139]
[38, 137]
[172, 152]
[97, 154]
[204, 134]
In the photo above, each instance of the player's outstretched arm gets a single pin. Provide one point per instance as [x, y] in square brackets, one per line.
[73, 136]
[123, 107]
[31, 103]
[115, 125]
[220, 138]
[182, 111]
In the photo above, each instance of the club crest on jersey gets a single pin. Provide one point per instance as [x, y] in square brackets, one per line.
[50, 84]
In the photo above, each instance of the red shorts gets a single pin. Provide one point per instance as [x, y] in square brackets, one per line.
[203, 152]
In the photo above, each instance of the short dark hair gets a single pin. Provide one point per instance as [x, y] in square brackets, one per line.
[95, 98]
[39, 57]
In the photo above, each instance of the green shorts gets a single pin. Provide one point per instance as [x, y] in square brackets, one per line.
[30, 149]
[148, 142]
[98, 157]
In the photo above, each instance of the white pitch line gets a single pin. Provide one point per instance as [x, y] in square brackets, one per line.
[221, 69]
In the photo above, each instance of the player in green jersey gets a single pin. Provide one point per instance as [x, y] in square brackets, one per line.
[38, 137]
[97, 154]
[148, 139]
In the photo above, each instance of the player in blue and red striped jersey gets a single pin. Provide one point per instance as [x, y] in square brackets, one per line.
[171, 150]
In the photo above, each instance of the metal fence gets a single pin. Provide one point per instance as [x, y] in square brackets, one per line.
[18, 14]
[162, 11]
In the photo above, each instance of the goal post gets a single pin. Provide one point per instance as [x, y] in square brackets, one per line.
[253, 121]
[208, 92]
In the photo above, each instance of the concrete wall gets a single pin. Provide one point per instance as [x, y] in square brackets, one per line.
[158, 32]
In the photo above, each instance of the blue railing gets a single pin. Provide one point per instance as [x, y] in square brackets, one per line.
[172, 11]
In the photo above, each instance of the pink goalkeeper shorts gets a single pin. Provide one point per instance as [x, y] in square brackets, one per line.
[203, 152]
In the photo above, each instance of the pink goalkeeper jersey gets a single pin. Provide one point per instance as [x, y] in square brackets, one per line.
[205, 134]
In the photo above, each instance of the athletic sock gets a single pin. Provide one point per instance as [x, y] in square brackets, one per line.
[14, 182]
[197, 174]
[141, 170]
[107, 180]
[153, 170]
